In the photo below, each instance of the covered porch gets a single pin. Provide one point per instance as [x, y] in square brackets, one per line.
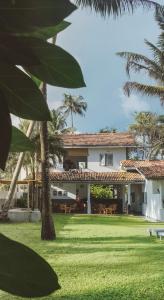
[71, 191]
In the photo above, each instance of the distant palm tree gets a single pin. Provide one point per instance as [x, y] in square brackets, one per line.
[73, 105]
[114, 7]
[58, 122]
[153, 67]
[150, 129]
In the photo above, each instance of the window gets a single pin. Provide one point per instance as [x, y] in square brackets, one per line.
[54, 192]
[106, 159]
[82, 165]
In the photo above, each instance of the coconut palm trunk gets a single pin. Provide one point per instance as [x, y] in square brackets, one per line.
[48, 229]
[9, 202]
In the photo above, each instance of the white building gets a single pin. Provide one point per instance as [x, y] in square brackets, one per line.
[94, 159]
[152, 188]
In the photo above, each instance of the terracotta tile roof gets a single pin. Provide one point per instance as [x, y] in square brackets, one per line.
[154, 172]
[98, 139]
[151, 169]
[141, 163]
[96, 177]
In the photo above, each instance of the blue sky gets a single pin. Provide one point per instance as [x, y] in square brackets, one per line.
[93, 41]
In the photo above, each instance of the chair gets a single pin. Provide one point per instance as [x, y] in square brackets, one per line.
[65, 208]
[101, 209]
[114, 208]
[108, 211]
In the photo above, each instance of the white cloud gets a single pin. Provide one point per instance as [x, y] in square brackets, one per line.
[133, 104]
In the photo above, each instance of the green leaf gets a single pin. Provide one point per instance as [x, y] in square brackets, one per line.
[15, 50]
[49, 32]
[22, 95]
[37, 81]
[19, 142]
[5, 131]
[57, 66]
[23, 272]
[28, 15]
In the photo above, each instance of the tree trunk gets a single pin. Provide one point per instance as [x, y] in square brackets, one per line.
[10, 196]
[48, 230]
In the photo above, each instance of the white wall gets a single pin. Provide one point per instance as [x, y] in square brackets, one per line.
[94, 159]
[154, 208]
[70, 188]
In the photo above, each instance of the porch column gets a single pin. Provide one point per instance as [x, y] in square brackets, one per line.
[129, 200]
[28, 196]
[129, 192]
[88, 200]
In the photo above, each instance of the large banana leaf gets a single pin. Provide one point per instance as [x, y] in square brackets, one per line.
[23, 272]
[27, 15]
[5, 131]
[20, 142]
[57, 67]
[22, 95]
[46, 33]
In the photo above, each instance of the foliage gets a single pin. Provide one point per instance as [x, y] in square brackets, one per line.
[154, 67]
[101, 192]
[16, 258]
[22, 201]
[108, 129]
[150, 129]
[73, 105]
[20, 142]
[56, 150]
[25, 28]
[113, 7]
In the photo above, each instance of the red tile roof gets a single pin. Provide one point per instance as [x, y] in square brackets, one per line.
[151, 169]
[96, 177]
[98, 139]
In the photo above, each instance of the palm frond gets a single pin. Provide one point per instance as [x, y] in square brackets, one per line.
[156, 73]
[159, 16]
[148, 90]
[157, 53]
[115, 7]
[139, 58]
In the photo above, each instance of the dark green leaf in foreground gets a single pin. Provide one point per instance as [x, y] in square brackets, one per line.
[28, 15]
[14, 50]
[57, 67]
[49, 32]
[19, 142]
[5, 131]
[23, 272]
[22, 95]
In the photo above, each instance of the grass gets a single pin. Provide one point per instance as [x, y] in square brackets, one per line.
[99, 257]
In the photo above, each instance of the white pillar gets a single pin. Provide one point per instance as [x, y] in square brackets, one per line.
[88, 200]
[129, 193]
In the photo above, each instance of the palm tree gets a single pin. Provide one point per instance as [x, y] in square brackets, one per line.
[48, 229]
[58, 124]
[73, 105]
[153, 67]
[147, 127]
[114, 7]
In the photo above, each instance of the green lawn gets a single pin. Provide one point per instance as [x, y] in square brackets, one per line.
[99, 257]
